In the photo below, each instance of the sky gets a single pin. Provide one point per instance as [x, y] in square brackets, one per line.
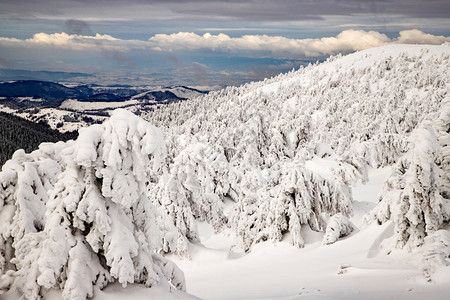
[204, 43]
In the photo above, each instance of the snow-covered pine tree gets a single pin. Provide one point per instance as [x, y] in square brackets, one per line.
[25, 180]
[442, 128]
[270, 207]
[415, 197]
[195, 187]
[436, 252]
[338, 226]
[95, 223]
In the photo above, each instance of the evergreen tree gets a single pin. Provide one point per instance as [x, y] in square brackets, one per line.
[415, 197]
[81, 217]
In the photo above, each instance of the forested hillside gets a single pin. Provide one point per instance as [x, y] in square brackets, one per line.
[275, 160]
[17, 133]
[259, 144]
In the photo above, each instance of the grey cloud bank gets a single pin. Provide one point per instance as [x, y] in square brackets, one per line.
[262, 10]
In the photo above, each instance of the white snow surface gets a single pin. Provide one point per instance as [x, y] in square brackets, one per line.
[352, 268]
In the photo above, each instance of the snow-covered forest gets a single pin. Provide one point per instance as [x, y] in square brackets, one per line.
[256, 144]
[269, 162]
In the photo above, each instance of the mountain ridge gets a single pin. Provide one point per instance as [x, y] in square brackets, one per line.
[67, 107]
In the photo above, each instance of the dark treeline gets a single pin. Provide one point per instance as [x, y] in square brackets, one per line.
[17, 133]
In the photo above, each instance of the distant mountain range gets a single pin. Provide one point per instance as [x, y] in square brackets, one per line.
[69, 106]
[45, 90]
[54, 93]
[11, 74]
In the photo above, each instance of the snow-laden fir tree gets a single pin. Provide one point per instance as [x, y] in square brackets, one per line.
[194, 188]
[284, 201]
[79, 216]
[436, 252]
[415, 197]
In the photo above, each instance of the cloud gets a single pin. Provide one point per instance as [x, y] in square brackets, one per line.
[106, 45]
[140, 19]
[279, 46]
[415, 36]
[72, 41]
[78, 27]
[76, 42]
[261, 10]
[250, 45]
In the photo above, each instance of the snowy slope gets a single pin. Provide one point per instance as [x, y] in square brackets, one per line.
[261, 192]
[254, 143]
[337, 120]
[84, 105]
[384, 92]
[349, 269]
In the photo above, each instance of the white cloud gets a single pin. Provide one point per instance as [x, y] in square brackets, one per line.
[252, 45]
[415, 36]
[346, 41]
[75, 42]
